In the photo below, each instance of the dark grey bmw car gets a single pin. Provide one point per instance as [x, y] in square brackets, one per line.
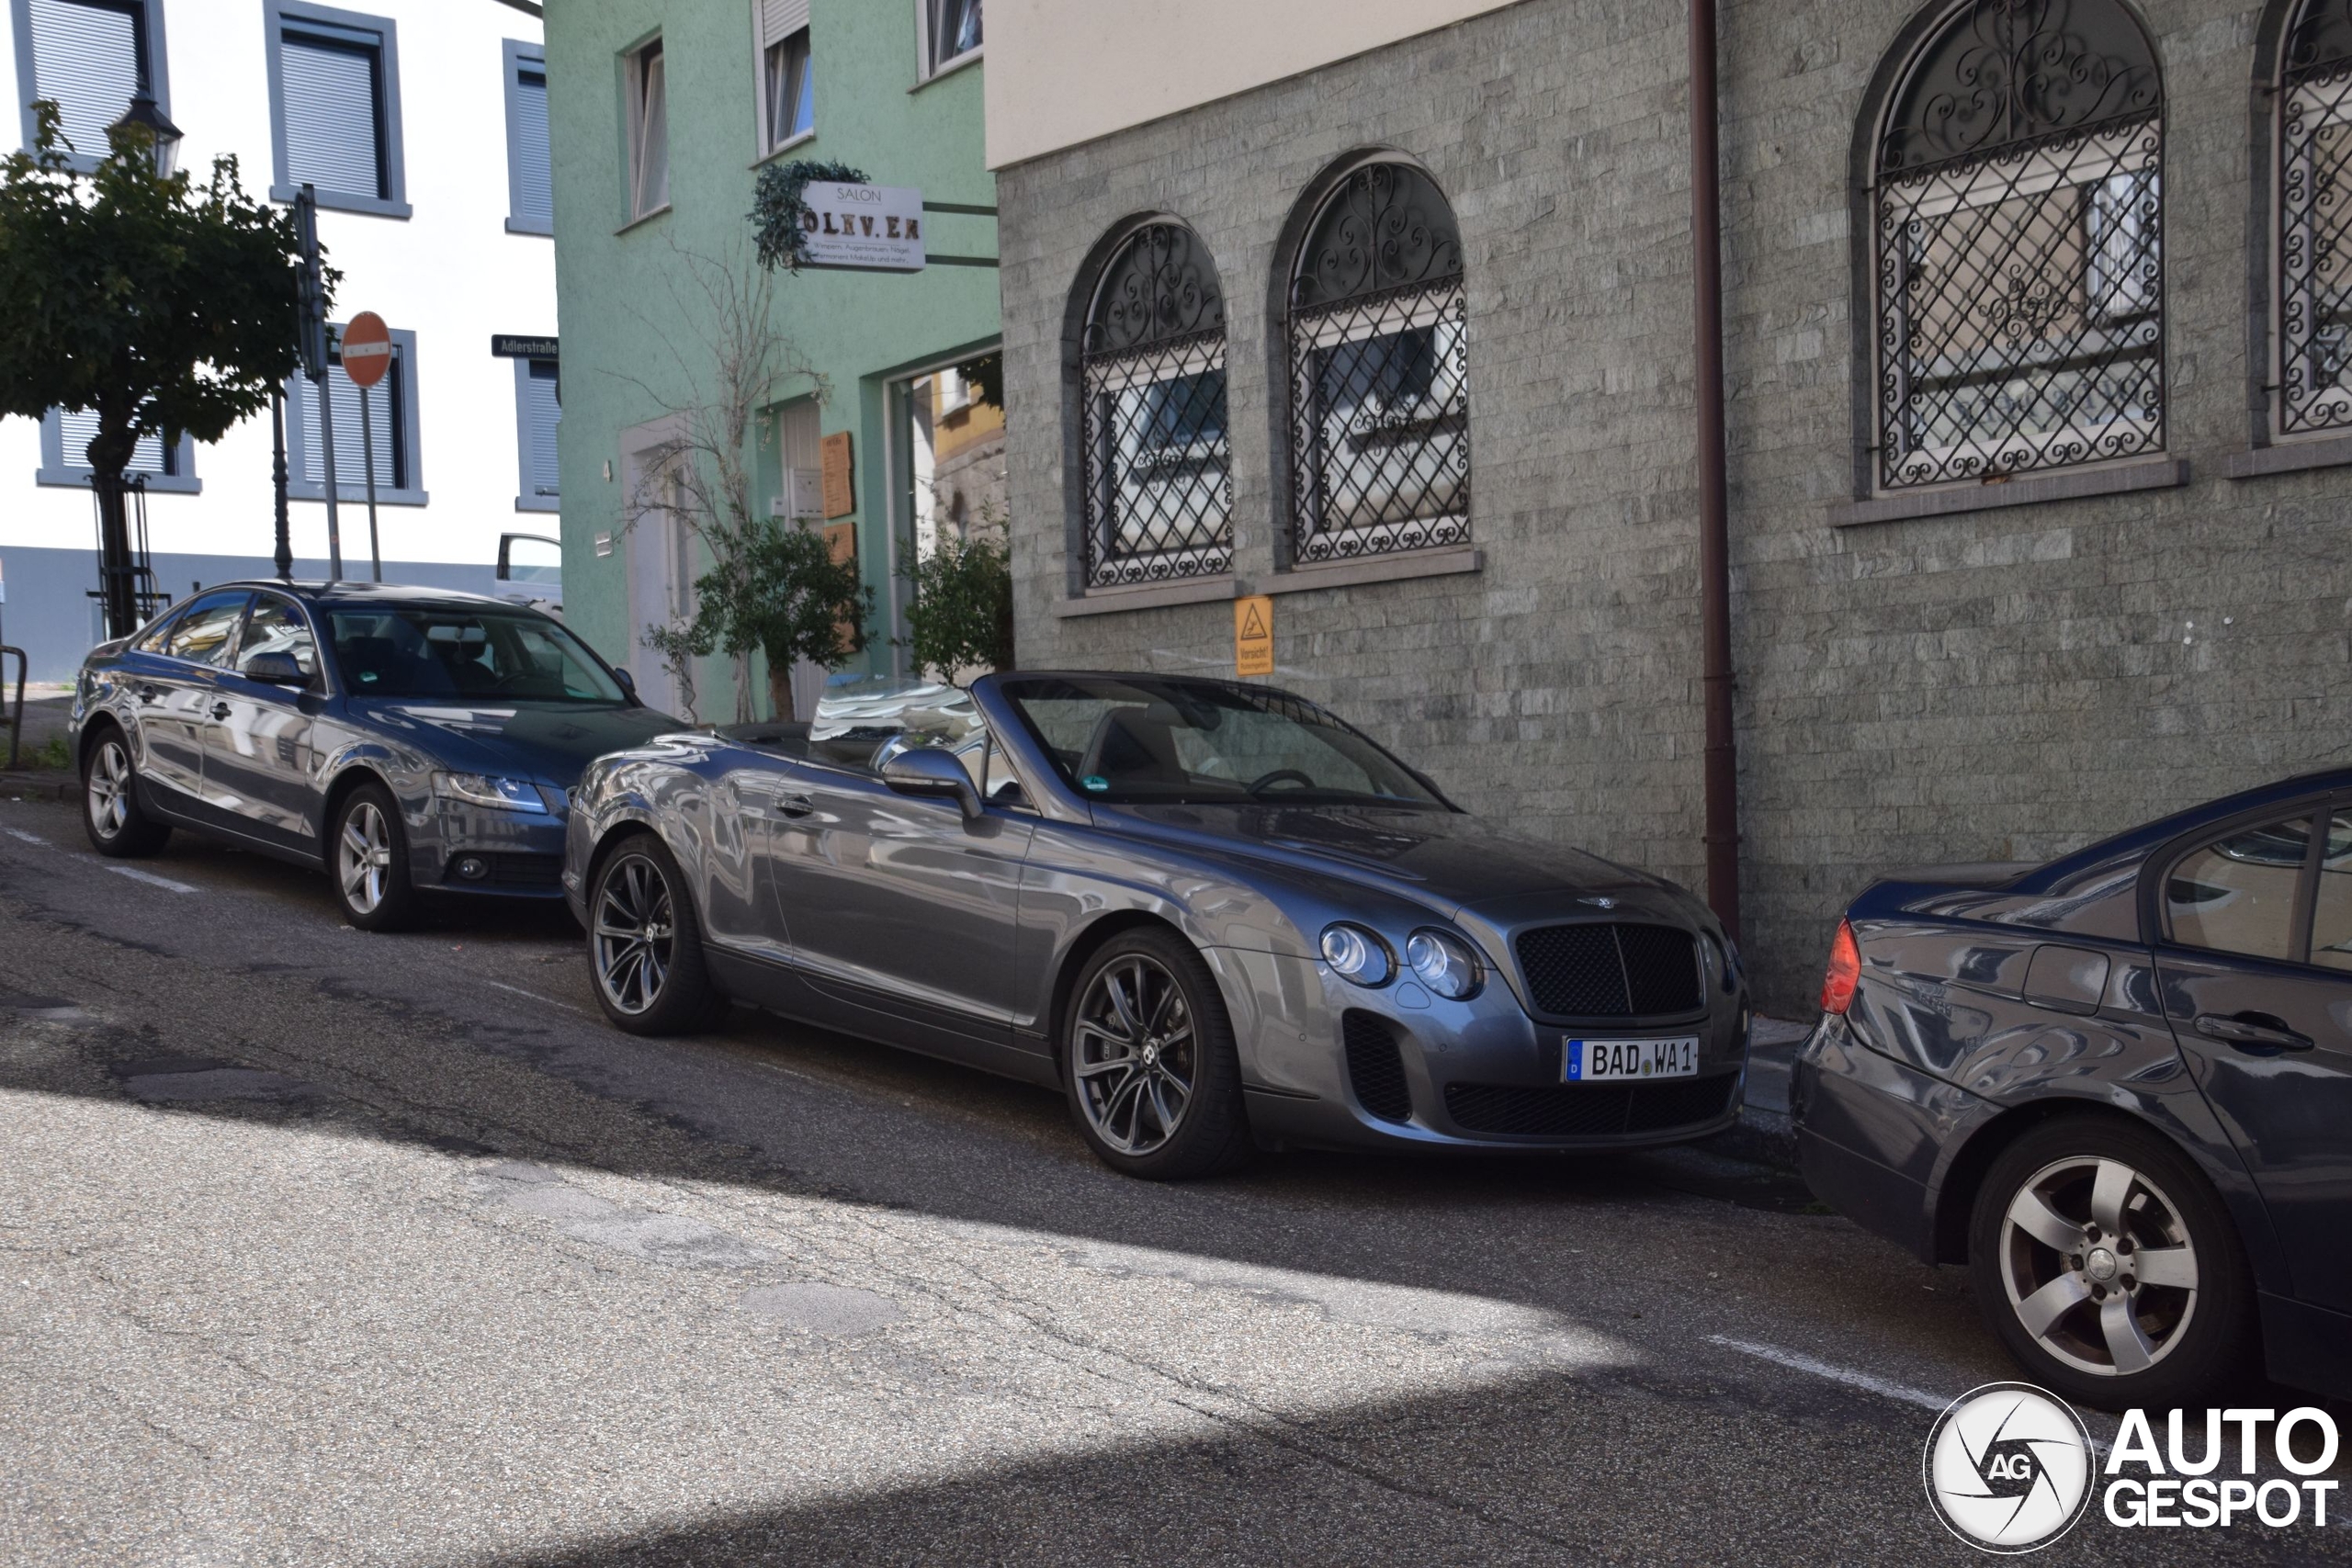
[1211, 914]
[2118, 1088]
[406, 740]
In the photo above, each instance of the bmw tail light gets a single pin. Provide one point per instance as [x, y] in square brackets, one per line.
[1845, 971]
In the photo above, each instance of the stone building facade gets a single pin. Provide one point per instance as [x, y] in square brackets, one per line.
[2000, 667]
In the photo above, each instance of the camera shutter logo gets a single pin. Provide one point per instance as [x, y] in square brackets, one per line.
[2008, 1468]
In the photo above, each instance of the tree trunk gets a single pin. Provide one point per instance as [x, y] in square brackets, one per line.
[746, 709]
[780, 689]
[108, 454]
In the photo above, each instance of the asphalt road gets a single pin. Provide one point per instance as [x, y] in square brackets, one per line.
[324, 1247]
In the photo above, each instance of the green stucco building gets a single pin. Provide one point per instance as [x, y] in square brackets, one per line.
[663, 114]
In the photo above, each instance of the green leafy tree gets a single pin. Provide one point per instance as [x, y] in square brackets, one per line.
[781, 593]
[164, 307]
[962, 616]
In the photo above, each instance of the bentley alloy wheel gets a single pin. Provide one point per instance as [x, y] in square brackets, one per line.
[645, 946]
[1137, 1056]
[636, 933]
[1149, 1061]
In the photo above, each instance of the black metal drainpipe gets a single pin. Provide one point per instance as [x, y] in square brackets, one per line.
[1722, 835]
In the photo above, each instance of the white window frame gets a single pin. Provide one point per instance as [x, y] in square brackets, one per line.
[159, 77]
[926, 33]
[517, 56]
[352, 487]
[526, 497]
[773, 23]
[59, 467]
[633, 100]
[276, 15]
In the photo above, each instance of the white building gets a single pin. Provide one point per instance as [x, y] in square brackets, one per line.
[421, 124]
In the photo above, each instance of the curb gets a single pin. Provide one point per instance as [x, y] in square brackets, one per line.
[1760, 1137]
[37, 786]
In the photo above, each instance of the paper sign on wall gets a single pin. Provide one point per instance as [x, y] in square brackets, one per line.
[834, 457]
[1253, 636]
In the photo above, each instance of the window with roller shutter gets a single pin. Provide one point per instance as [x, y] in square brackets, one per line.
[334, 108]
[391, 426]
[530, 180]
[87, 57]
[538, 410]
[64, 451]
[788, 81]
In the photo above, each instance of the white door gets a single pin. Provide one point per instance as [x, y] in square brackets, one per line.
[661, 591]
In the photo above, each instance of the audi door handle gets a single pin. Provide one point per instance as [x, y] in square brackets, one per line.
[795, 806]
[219, 710]
[2251, 1031]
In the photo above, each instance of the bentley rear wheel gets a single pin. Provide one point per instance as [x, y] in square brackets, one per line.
[645, 945]
[1148, 1056]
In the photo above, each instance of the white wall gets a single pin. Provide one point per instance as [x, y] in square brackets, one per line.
[450, 273]
[1062, 72]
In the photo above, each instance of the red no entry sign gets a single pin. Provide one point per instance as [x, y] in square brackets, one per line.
[367, 349]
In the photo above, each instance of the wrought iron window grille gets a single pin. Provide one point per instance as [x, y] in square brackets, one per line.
[2018, 221]
[1378, 330]
[1156, 458]
[2311, 328]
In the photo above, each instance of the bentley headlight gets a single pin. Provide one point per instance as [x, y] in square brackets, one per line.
[1444, 963]
[481, 789]
[1356, 954]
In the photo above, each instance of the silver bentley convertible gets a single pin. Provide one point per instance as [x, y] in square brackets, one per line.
[1211, 914]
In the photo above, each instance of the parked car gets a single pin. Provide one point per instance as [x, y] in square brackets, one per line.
[431, 749]
[2117, 1087]
[1211, 914]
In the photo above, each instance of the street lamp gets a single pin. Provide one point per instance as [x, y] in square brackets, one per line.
[164, 137]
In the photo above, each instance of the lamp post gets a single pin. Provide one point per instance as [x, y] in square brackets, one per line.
[162, 135]
[117, 576]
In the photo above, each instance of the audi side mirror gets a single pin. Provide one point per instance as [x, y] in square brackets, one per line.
[274, 670]
[930, 771]
[627, 681]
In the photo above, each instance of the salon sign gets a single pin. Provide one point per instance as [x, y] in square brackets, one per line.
[863, 226]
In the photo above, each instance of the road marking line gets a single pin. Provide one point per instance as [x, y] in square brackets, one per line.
[150, 877]
[535, 996]
[29, 837]
[1803, 1363]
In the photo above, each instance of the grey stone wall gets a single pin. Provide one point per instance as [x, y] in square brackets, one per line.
[1999, 685]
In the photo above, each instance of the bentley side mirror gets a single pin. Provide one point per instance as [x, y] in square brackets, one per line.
[928, 770]
[274, 670]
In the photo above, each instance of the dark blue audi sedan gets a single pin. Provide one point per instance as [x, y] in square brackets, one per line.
[405, 740]
[2118, 1088]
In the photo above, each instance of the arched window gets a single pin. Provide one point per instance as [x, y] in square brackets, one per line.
[2312, 327]
[1158, 476]
[1380, 410]
[2017, 221]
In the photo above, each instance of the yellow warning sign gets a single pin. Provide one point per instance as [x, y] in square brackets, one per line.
[1253, 636]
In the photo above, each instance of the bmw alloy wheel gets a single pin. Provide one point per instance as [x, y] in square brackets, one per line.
[2098, 1265]
[635, 931]
[1137, 1056]
[109, 789]
[364, 857]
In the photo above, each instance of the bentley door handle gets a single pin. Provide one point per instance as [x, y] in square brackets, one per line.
[2251, 1031]
[149, 694]
[219, 710]
[794, 805]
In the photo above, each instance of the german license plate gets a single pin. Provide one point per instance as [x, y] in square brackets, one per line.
[1608, 1061]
